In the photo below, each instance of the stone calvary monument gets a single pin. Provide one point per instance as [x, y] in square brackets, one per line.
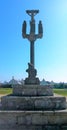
[33, 106]
[32, 37]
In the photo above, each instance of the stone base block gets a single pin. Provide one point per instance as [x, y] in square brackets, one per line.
[31, 81]
[30, 120]
[33, 103]
[34, 127]
[32, 90]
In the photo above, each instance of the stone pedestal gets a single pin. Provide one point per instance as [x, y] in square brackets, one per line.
[33, 107]
[33, 97]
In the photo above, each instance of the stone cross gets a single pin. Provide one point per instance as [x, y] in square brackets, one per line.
[32, 36]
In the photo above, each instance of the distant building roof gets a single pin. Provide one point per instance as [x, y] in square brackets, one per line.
[5, 82]
[13, 81]
[43, 82]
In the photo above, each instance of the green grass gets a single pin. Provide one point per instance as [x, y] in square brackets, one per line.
[5, 91]
[62, 92]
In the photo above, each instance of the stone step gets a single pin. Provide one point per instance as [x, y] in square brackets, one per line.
[33, 127]
[30, 119]
[33, 103]
[33, 90]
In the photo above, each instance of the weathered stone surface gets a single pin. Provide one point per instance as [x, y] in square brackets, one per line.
[33, 103]
[33, 90]
[33, 118]
[35, 127]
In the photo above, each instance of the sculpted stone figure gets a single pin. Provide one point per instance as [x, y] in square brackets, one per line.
[31, 71]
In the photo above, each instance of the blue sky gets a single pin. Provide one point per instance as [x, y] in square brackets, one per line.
[50, 51]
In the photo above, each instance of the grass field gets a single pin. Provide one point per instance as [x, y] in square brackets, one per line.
[62, 92]
[5, 91]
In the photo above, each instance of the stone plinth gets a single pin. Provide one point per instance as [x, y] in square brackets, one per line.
[32, 90]
[33, 120]
[33, 107]
[33, 103]
[32, 97]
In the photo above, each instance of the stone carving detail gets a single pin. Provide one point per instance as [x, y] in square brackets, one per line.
[31, 71]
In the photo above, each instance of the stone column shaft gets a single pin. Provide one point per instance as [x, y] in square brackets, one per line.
[32, 53]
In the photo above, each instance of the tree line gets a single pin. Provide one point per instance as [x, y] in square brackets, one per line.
[60, 85]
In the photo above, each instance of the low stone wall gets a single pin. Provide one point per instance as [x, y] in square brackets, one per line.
[30, 120]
